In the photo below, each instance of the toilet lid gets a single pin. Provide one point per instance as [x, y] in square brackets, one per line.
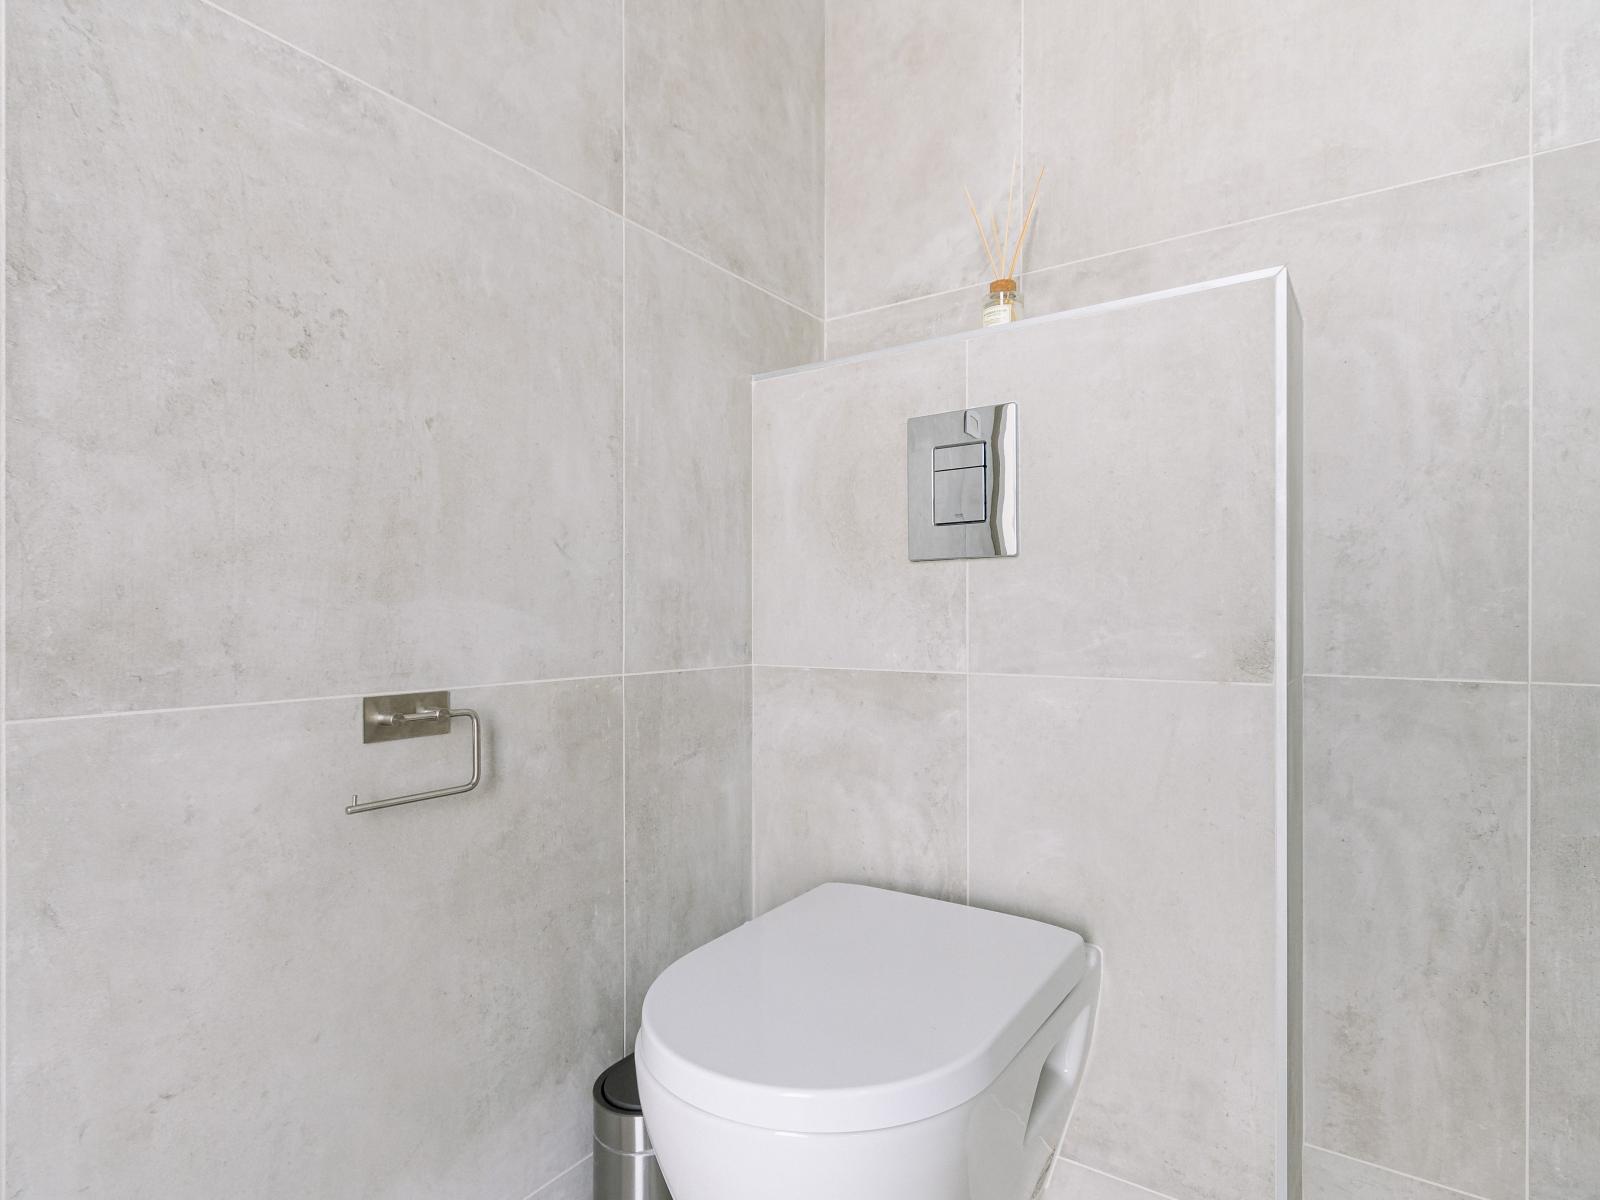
[854, 1008]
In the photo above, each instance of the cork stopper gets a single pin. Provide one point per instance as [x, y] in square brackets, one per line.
[1002, 285]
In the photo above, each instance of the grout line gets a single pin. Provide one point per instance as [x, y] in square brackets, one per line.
[1419, 679]
[501, 154]
[623, 564]
[5, 729]
[1391, 1171]
[1244, 683]
[1061, 1158]
[1527, 914]
[1196, 233]
[1594, 141]
[966, 596]
[551, 1183]
[827, 33]
[282, 700]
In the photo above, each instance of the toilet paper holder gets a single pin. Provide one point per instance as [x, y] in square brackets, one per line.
[410, 715]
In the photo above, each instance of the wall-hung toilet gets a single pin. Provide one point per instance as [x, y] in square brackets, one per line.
[860, 1044]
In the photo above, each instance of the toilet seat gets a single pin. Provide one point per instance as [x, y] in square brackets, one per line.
[853, 1008]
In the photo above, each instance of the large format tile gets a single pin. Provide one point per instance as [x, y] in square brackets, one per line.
[576, 1184]
[1156, 121]
[1073, 1181]
[860, 777]
[688, 818]
[1564, 1071]
[1566, 416]
[1141, 815]
[725, 112]
[1146, 503]
[221, 985]
[1335, 1177]
[305, 411]
[695, 337]
[923, 100]
[1415, 902]
[833, 584]
[1416, 418]
[1566, 73]
[539, 80]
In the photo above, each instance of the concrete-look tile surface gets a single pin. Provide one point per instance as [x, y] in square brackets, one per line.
[1141, 815]
[860, 777]
[724, 133]
[199, 933]
[1416, 425]
[1415, 908]
[695, 337]
[306, 410]
[1073, 1181]
[539, 80]
[1566, 73]
[1335, 1177]
[1146, 502]
[1564, 1071]
[923, 101]
[1155, 121]
[1566, 416]
[575, 1184]
[834, 586]
[688, 818]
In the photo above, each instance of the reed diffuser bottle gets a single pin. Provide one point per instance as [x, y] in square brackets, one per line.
[1002, 305]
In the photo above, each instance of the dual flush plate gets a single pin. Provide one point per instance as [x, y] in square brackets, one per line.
[961, 483]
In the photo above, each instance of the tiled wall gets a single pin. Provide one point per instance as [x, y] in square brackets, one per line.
[1084, 733]
[1429, 173]
[356, 348]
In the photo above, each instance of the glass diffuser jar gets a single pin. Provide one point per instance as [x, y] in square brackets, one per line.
[1002, 306]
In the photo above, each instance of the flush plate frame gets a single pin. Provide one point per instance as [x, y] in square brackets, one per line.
[993, 426]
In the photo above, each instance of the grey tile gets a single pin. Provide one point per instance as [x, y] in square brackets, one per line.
[288, 419]
[725, 112]
[1416, 419]
[1334, 1177]
[1073, 1181]
[860, 777]
[923, 100]
[1564, 1104]
[1155, 122]
[1416, 385]
[1141, 815]
[1566, 416]
[539, 80]
[1415, 876]
[1566, 73]
[220, 984]
[695, 336]
[909, 321]
[576, 1184]
[833, 584]
[1146, 506]
[688, 818]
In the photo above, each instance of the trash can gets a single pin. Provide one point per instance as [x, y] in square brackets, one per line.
[624, 1163]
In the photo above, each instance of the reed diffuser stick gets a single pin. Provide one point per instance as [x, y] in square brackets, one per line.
[994, 265]
[1027, 223]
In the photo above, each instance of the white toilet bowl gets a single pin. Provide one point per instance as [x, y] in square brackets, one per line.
[860, 1044]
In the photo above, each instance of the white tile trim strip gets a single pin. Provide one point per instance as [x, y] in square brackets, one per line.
[1068, 314]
